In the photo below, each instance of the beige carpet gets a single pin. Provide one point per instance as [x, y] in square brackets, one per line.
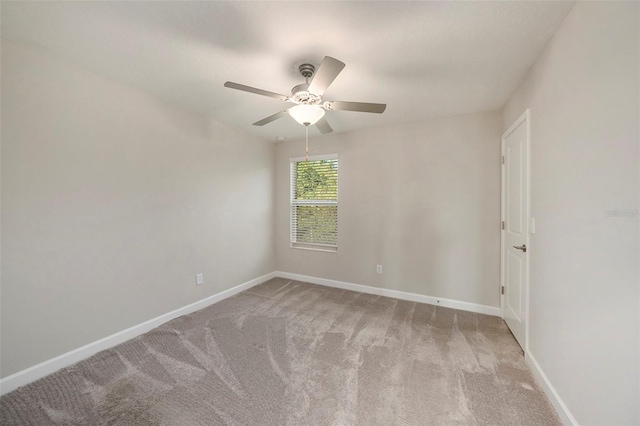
[287, 352]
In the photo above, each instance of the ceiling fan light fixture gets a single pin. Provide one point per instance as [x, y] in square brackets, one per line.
[307, 115]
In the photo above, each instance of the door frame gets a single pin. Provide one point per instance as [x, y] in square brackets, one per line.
[525, 117]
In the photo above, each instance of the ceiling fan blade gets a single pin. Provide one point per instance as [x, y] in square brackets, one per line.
[323, 126]
[250, 89]
[355, 106]
[271, 118]
[324, 76]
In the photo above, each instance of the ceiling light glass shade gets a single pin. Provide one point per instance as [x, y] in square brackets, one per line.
[307, 115]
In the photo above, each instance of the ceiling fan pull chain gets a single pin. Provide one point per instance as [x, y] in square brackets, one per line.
[306, 138]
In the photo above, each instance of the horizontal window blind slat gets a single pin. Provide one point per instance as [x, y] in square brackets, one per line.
[314, 202]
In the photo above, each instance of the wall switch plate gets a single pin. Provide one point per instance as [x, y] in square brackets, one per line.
[199, 279]
[532, 226]
[379, 269]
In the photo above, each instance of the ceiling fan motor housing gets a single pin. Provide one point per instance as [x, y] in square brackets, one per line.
[300, 95]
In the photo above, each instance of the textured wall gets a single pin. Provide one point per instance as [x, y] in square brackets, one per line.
[422, 199]
[583, 92]
[112, 201]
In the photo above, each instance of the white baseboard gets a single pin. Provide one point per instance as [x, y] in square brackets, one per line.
[396, 294]
[45, 368]
[557, 402]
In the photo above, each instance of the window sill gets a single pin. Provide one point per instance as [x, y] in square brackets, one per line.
[326, 249]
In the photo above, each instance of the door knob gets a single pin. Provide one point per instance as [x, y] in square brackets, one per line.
[522, 247]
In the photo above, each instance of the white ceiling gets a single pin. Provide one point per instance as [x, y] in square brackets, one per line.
[423, 59]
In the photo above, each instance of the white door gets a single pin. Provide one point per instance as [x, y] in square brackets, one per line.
[515, 236]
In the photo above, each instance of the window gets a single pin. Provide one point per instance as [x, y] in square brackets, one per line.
[314, 202]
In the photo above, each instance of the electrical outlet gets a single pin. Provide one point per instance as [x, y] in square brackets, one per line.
[199, 279]
[379, 269]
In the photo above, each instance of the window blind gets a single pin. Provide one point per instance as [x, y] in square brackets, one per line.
[314, 202]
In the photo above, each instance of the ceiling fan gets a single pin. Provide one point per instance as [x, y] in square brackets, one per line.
[310, 107]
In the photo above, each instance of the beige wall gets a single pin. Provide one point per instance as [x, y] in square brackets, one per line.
[112, 201]
[422, 199]
[583, 92]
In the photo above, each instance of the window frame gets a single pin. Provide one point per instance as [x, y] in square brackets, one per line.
[293, 202]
